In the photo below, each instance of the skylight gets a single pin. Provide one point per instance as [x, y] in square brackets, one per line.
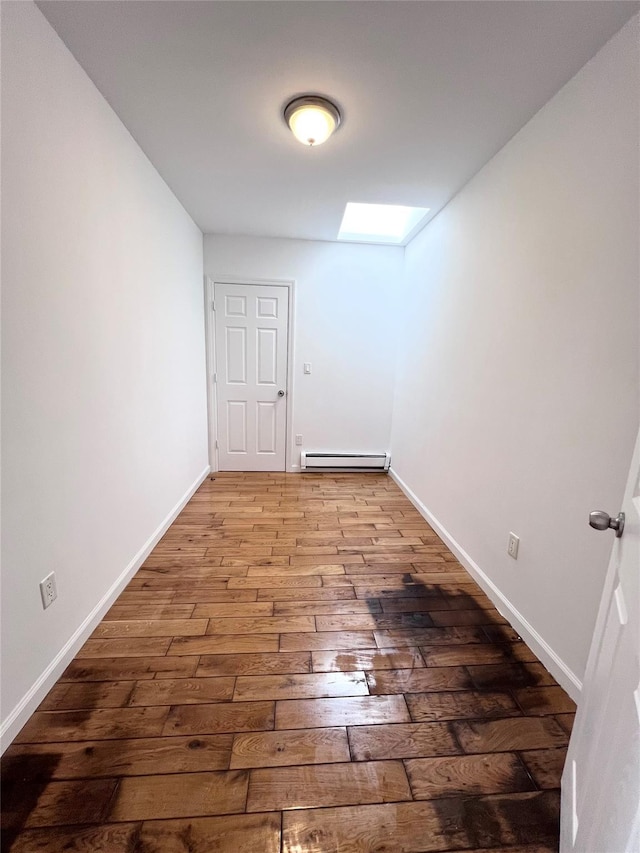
[381, 223]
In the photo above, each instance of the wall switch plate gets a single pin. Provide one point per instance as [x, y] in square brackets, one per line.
[307, 367]
[48, 590]
[513, 545]
[299, 440]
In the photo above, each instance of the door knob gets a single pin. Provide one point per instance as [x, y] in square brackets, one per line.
[280, 393]
[600, 520]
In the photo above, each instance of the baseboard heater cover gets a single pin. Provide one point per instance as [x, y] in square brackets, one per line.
[331, 462]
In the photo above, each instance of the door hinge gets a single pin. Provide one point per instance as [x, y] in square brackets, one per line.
[217, 444]
[213, 305]
[215, 378]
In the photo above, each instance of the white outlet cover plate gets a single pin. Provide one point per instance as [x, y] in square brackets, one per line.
[48, 590]
[513, 545]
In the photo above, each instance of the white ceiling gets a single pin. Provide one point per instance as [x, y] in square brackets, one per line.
[429, 92]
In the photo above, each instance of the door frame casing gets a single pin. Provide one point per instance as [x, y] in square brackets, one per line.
[212, 401]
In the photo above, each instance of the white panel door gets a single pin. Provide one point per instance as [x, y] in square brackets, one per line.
[601, 780]
[251, 329]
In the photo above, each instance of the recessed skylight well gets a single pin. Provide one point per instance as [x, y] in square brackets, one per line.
[381, 223]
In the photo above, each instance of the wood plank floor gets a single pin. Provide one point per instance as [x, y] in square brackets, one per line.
[300, 666]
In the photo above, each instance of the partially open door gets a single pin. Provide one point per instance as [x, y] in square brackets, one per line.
[601, 781]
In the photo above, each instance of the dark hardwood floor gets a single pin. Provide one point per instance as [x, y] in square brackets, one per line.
[301, 666]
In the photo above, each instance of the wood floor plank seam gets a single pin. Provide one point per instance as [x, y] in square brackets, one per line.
[527, 771]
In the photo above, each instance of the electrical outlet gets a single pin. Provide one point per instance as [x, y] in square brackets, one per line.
[513, 545]
[48, 590]
[299, 440]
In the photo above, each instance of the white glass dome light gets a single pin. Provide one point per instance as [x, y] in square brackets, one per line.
[312, 119]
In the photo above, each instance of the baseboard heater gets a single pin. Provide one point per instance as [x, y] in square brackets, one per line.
[347, 462]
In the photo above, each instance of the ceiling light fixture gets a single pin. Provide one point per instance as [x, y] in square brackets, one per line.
[312, 119]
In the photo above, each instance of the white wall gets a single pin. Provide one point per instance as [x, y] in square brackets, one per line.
[517, 384]
[344, 325]
[104, 416]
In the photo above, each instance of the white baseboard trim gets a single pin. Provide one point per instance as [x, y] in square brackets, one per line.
[563, 674]
[19, 716]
